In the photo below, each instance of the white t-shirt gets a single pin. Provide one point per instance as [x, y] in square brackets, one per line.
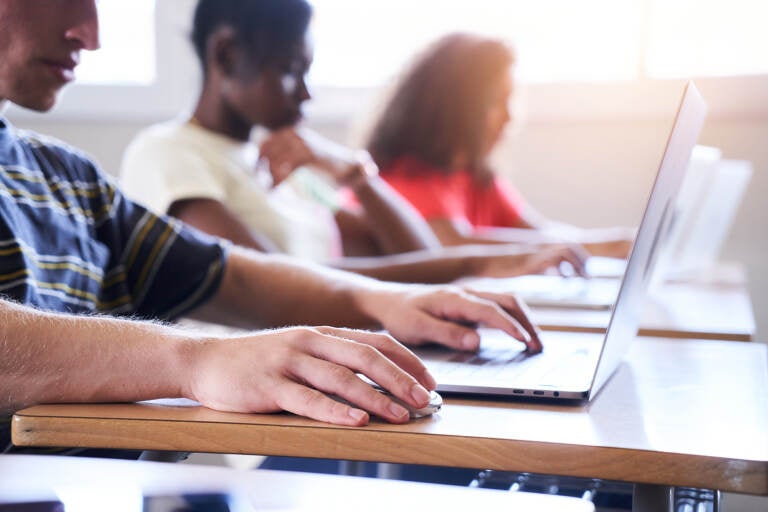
[179, 160]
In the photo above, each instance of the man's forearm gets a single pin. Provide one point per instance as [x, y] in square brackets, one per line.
[270, 290]
[50, 358]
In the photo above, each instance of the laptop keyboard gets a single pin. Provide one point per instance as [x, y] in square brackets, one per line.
[489, 364]
[504, 366]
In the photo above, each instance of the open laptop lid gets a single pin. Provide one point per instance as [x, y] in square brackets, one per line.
[708, 228]
[658, 220]
[696, 185]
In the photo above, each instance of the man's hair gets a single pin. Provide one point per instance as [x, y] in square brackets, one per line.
[263, 27]
[439, 106]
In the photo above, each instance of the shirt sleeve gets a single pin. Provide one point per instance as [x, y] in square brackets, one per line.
[159, 268]
[432, 196]
[156, 174]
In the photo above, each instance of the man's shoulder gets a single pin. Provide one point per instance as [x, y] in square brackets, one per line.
[45, 143]
[39, 153]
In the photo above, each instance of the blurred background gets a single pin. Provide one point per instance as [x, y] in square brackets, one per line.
[598, 82]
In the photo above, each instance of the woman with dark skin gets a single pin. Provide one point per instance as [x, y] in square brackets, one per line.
[255, 55]
[433, 140]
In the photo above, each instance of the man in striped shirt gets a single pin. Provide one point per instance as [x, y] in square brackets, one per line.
[76, 255]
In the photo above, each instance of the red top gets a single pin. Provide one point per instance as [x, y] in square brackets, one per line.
[438, 195]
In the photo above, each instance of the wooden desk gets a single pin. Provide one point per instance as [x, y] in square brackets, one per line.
[99, 484]
[677, 310]
[690, 413]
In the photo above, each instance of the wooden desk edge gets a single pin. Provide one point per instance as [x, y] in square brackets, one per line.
[368, 443]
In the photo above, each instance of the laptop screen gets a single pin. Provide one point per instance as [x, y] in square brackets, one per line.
[657, 221]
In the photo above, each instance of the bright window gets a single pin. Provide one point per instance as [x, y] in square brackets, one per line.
[582, 59]
[127, 54]
[363, 43]
[707, 38]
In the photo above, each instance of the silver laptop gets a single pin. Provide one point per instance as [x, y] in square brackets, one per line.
[710, 196]
[696, 249]
[576, 365]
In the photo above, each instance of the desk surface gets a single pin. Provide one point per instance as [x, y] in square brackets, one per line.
[678, 412]
[99, 484]
[677, 310]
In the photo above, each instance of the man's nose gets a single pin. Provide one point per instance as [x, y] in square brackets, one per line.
[83, 27]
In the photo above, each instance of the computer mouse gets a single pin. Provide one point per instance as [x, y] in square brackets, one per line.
[434, 405]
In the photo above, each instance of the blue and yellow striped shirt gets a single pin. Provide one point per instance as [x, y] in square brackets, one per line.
[71, 242]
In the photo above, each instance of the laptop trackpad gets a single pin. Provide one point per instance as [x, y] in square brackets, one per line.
[567, 362]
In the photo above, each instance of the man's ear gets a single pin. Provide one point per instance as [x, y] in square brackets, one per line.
[222, 51]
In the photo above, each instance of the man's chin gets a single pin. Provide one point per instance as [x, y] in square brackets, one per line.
[38, 103]
[39, 107]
